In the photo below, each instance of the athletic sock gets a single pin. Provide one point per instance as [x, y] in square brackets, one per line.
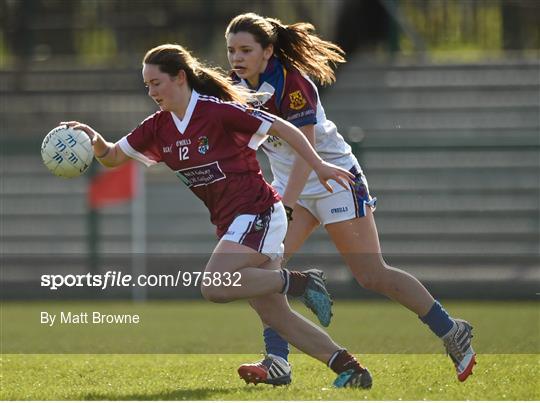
[342, 361]
[275, 344]
[438, 320]
[295, 282]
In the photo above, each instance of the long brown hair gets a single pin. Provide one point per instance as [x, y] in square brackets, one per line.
[295, 45]
[171, 58]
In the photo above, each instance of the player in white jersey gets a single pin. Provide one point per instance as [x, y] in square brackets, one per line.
[278, 62]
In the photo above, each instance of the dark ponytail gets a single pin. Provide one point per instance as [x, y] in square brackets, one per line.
[295, 45]
[171, 58]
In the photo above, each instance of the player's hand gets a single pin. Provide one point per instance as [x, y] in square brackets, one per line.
[91, 133]
[327, 171]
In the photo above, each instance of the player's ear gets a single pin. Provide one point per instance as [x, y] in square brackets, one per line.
[181, 77]
[268, 52]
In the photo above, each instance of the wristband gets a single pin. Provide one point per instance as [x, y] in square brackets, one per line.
[288, 211]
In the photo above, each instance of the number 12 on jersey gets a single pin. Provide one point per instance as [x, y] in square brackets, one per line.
[183, 153]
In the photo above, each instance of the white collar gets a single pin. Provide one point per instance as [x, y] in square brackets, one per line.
[181, 124]
[264, 93]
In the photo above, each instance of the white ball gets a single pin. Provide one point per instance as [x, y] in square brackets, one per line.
[66, 152]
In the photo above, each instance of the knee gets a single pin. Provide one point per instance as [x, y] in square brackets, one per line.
[219, 295]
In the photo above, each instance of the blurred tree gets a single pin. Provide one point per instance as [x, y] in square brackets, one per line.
[17, 35]
[19, 38]
[362, 25]
[106, 31]
[521, 24]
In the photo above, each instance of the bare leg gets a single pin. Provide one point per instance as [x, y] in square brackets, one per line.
[275, 312]
[300, 228]
[358, 242]
[231, 257]
[273, 307]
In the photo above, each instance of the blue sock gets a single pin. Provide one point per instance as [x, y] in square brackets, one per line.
[275, 344]
[438, 320]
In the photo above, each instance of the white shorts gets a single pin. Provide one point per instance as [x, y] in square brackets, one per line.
[343, 204]
[263, 232]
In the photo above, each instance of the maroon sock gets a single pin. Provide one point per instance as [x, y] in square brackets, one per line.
[341, 361]
[297, 283]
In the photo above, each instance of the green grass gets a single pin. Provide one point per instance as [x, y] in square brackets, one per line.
[192, 349]
[213, 377]
[190, 327]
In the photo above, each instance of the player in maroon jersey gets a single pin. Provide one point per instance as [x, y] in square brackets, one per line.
[209, 140]
[279, 62]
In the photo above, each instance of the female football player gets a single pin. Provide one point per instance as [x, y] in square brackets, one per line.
[209, 141]
[279, 62]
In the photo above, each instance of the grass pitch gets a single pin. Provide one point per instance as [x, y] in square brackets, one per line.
[213, 377]
[406, 361]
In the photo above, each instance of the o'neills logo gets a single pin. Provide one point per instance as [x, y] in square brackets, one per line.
[338, 210]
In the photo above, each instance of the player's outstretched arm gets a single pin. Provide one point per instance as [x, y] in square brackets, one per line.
[325, 171]
[296, 183]
[109, 154]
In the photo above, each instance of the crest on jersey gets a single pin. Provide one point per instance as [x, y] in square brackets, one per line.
[297, 100]
[203, 146]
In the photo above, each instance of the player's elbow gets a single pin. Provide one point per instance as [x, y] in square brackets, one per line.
[281, 128]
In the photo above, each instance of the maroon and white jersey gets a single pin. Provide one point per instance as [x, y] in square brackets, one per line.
[212, 150]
